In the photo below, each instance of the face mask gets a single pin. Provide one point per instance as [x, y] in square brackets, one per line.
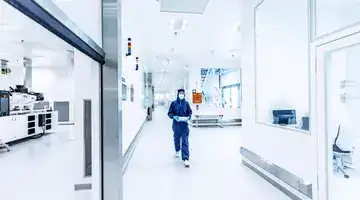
[181, 96]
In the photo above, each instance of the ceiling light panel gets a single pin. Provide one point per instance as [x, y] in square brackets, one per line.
[184, 6]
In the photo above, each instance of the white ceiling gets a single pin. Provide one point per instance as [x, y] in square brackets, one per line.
[216, 29]
[22, 37]
[184, 6]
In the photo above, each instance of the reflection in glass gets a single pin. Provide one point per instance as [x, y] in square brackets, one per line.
[343, 100]
[332, 15]
[282, 63]
[221, 87]
[64, 154]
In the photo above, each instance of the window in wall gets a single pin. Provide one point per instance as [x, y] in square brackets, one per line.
[215, 86]
[333, 15]
[235, 96]
[226, 96]
[231, 96]
[282, 63]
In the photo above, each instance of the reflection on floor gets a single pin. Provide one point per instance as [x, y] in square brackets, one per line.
[43, 169]
[342, 188]
[216, 171]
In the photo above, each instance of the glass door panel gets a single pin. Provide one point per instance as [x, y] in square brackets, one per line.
[338, 69]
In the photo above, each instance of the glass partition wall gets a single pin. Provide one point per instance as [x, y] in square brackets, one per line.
[336, 45]
[282, 63]
[221, 87]
[333, 15]
[49, 113]
[338, 66]
[314, 43]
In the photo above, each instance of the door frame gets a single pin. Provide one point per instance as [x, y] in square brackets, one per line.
[320, 51]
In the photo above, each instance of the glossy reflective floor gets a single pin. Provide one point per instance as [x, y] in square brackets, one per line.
[42, 169]
[342, 188]
[47, 168]
[216, 171]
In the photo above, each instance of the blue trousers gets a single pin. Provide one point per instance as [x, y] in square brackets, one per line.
[181, 142]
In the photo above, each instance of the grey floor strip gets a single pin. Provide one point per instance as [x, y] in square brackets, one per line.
[83, 186]
[130, 151]
[271, 181]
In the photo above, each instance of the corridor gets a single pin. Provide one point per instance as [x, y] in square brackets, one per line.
[216, 171]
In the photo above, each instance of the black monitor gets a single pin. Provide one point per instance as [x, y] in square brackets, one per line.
[284, 117]
[4, 103]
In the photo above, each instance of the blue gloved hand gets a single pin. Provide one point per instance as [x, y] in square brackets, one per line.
[176, 118]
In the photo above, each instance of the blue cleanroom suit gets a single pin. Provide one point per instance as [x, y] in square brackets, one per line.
[180, 108]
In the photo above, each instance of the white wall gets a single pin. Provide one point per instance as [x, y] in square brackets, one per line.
[74, 83]
[56, 83]
[16, 77]
[86, 75]
[133, 113]
[294, 151]
[45, 78]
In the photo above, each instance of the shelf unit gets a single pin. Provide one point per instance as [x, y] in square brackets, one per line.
[44, 120]
[31, 126]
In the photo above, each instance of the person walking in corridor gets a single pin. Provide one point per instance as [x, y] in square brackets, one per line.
[180, 112]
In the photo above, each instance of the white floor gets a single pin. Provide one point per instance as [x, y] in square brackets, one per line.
[342, 188]
[216, 171]
[41, 169]
[48, 168]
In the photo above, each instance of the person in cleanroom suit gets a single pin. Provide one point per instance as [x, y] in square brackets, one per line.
[180, 109]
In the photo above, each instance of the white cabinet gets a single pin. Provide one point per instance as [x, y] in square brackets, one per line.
[17, 127]
[12, 128]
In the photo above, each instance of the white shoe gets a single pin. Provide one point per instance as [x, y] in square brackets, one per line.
[186, 163]
[177, 154]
